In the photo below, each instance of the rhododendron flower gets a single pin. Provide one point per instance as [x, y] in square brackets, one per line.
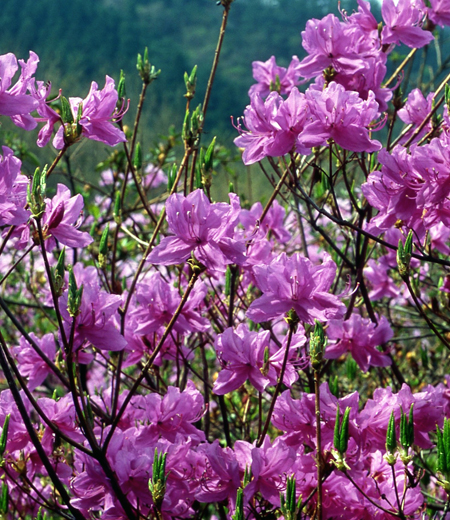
[416, 109]
[97, 116]
[95, 322]
[13, 190]
[14, 101]
[241, 354]
[273, 126]
[273, 221]
[342, 116]
[201, 228]
[268, 75]
[158, 301]
[328, 45]
[439, 12]
[296, 283]
[403, 23]
[268, 465]
[30, 363]
[61, 219]
[360, 337]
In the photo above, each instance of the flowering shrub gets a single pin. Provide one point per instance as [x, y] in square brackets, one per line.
[189, 358]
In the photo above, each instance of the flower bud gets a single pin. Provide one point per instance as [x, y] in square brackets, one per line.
[391, 441]
[37, 192]
[190, 82]
[404, 255]
[317, 345]
[74, 296]
[4, 435]
[157, 484]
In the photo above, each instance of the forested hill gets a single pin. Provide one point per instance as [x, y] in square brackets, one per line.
[82, 40]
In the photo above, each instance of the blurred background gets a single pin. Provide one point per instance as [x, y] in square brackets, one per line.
[80, 41]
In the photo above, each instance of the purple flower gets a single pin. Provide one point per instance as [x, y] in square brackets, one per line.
[30, 363]
[61, 219]
[328, 44]
[273, 221]
[95, 323]
[416, 109]
[14, 101]
[273, 126]
[296, 283]
[13, 190]
[268, 74]
[97, 116]
[439, 12]
[158, 301]
[403, 23]
[241, 354]
[202, 228]
[342, 116]
[360, 337]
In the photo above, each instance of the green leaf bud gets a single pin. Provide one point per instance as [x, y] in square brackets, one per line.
[4, 435]
[317, 345]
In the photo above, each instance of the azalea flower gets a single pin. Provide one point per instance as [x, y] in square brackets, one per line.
[296, 283]
[98, 112]
[202, 228]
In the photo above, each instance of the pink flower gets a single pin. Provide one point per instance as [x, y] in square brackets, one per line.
[14, 101]
[61, 219]
[360, 337]
[158, 301]
[296, 283]
[30, 363]
[13, 190]
[268, 73]
[414, 112]
[340, 115]
[403, 23]
[201, 228]
[439, 12]
[273, 126]
[97, 116]
[95, 323]
[241, 355]
[328, 44]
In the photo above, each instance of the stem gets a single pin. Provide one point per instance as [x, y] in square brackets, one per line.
[319, 460]
[32, 433]
[56, 160]
[393, 513]
[209, 88]
[278, 387]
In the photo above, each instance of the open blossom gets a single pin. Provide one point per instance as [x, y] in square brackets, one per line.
[328, 44]
[201, 228]
[360, 337]
[439, 12]
[268, 74]
[296, 283]
[340, 115]
[403, 21]
[61, 219]
[158, 301]
[241, 353]
[14, 101]
[13, 190]
[30, 363]
[272, 126]
[416, 109]
[95, 322]
[97, 116]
